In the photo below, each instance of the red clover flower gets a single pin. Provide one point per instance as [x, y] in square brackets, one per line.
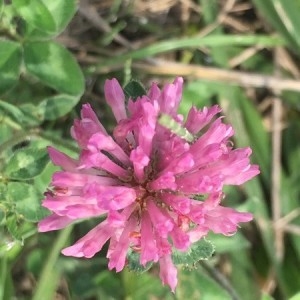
[146, 180]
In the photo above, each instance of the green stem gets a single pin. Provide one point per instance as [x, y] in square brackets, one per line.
[3, 270]
[11, 123]
[221, 279]
[6, 285]
[50, 274]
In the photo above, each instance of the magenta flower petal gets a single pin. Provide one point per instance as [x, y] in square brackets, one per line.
[115, 98]
[60, 159]
[110, 197]
[181, 239]
[228, 220]
[72, 179]
[54, 222]
[117, 256]
[168, 272]
[196, 120]
[100, 141]
[149, 251]
[89, 124]
[91, 243]
[155, 191]
[171, 96]
[181, 204]
[161, 221]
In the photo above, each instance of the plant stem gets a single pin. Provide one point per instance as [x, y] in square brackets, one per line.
[50, 274]
[221, 279]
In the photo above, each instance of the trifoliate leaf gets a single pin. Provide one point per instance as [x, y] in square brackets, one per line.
[26, 200]
[26, 163]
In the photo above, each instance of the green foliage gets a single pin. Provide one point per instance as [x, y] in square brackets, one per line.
[45, 19]
[26, 163]
[61, 12]
[134, 89]
[196, 284]
[10, 64]
[55, 107]
[284, 16]
[134, 263]
[200, 250]
[26, 200]
[35, 13]
[54, 66]
[295, 297]
[13, 111]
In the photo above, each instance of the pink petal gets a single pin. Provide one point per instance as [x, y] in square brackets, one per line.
[89, 124]
[171, 96]
[180, 239]
[149, 250]
[115, 98]
[99, 141]
[183, 163]
[198, 119]
[179, 203]
[165, 181]
[225, 220]
[110, 197]
[168, 272]
[117, 256]
[68, 179]
[99, 160]
[140, 160]
[60, 159]
[53, 222]
[154, 92]
[91, 243]
[197, 233]
[162, 222]
[88, 113]
[218, 132]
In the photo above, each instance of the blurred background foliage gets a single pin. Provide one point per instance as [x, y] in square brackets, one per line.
[242, 54]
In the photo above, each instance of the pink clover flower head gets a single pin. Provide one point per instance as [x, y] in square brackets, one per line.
[144, 179]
